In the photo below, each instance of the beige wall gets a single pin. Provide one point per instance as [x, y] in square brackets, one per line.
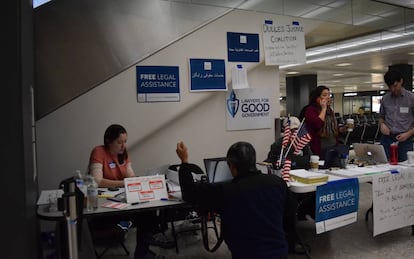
[66, 136]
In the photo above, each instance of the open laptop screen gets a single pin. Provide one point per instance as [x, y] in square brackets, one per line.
[217, 170]
[333, 155]
[370, 153]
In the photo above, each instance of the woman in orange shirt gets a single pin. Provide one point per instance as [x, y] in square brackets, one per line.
[109, 163]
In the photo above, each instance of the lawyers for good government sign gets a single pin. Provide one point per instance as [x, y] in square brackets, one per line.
[249, 109]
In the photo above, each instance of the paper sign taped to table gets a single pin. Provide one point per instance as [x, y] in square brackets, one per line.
[393, 200]
[145, 188]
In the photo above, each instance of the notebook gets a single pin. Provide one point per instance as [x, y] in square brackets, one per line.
[370, 153]
[120, 197]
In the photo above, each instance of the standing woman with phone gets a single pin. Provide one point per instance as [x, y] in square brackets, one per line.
[320, 121]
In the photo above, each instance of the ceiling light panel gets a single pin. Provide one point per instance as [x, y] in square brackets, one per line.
[402, 3]
[343, 64]
[361, 45]
[267, 6]
[221, 3]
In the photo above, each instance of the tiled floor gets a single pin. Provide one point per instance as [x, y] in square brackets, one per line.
[353, 241]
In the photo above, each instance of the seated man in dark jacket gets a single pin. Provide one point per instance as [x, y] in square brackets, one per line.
[253, 206]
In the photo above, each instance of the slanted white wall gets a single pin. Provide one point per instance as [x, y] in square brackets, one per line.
[66, 136]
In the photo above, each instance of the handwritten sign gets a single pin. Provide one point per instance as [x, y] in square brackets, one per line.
[393, 200]
[284, 42]
[336, 204]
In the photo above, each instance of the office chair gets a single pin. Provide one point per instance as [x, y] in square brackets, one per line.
[208, 220]
[370, 132]
[187, 214]
[191, 221]
[108, 235]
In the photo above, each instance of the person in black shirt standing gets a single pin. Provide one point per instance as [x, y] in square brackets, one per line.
[253, 206]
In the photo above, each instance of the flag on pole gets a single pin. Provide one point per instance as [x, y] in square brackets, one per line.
[302, 137]
[286, 170]
[286, 134]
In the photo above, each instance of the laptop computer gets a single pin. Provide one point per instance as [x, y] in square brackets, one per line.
[162, 169]
[299, 162]
[370, 153]
[217, 170]
[333, 156]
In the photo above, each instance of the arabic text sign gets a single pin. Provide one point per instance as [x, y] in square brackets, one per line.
[242, 47]
[207, 75]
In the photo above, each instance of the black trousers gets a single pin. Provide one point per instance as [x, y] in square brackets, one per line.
[146, 222]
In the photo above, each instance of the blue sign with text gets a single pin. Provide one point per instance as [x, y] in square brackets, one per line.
[336, 198]
[243, 47]
[157, 83]
[207, 75]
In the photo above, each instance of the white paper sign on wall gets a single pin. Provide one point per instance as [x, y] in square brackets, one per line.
[284, 42]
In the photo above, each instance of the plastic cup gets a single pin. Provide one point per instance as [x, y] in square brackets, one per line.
[53, 202]
[314, 163]
[410, 157]
[350, 125]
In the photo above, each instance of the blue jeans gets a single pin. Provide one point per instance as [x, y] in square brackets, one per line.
[403, 147]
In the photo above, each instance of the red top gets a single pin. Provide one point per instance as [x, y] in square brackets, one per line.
[314, 124]
[110, 166]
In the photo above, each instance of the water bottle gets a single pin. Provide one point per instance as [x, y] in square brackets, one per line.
[92, 194]
[80, 181]
[394, 153]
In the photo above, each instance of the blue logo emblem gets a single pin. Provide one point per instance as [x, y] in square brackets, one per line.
[232, 104]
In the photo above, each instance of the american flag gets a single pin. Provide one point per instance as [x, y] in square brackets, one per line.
[286, 134]
[302, 137]
[286, 170]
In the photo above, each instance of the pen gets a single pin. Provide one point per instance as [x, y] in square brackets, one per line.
[166, 199]
[136, 203]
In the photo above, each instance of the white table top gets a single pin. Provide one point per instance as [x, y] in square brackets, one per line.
[43, 209]
[364, 174]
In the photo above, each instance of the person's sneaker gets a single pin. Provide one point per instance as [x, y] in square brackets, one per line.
[161, 241]
[300, 249]
[150, 255]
